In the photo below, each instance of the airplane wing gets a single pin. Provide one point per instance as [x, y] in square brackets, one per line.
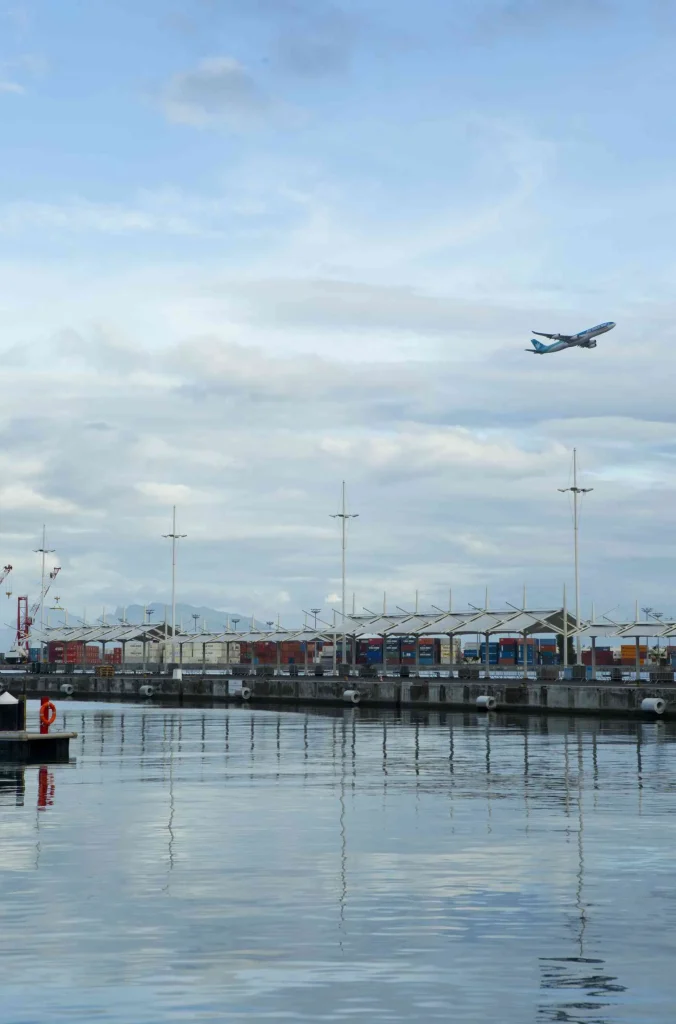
[553, 337]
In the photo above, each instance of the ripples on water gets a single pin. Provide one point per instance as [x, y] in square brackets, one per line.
[253, 865]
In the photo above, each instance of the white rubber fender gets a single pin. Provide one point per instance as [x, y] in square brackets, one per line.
[351, 696]
[486, 703]
[236, 688]
[654, 705]
[147, 691]
[67, 689]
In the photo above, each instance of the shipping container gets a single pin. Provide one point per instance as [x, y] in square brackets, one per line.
[493, 653]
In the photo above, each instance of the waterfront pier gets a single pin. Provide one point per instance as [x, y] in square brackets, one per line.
[430, 691]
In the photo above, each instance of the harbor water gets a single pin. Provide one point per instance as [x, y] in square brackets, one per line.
[244, 864]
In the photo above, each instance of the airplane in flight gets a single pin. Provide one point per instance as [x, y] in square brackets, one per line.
[585, 339]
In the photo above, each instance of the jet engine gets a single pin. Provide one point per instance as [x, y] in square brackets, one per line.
[590, 344]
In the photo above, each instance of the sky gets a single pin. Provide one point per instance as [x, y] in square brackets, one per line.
[249, 251]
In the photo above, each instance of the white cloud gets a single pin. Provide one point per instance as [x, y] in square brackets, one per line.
[19, 497]
[166, 494]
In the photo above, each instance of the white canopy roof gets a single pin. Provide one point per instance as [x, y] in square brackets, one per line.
[510, 621]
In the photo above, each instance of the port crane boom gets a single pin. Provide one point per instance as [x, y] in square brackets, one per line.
[25, 616]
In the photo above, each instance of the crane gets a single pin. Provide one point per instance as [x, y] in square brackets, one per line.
[5, 573]
[35, 608]
[25, 617]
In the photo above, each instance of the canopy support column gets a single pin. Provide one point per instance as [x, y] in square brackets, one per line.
[565, 628]
[593, 658]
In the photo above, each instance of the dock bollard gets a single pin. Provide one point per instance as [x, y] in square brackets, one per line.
[352, 696]
[654, 705]
[486, 703]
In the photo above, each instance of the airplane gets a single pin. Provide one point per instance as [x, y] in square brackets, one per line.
[585, 339]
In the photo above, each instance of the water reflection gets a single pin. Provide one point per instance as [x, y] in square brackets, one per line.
[587, 986]
[253, 864]
[46, 787]
[12, 787]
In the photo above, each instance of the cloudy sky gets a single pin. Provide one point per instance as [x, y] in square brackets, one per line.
[251, 250]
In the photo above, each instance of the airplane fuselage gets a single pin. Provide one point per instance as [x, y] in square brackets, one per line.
[584, 339]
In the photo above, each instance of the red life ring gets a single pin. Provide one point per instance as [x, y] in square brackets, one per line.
[48, 714]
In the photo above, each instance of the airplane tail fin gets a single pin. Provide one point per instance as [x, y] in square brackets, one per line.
[537, 345]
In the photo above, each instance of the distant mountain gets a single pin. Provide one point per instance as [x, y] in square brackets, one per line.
[211, 619]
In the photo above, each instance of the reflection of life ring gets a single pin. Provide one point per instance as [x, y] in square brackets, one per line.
[48, 714]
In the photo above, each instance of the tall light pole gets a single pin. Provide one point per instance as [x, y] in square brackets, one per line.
[343, 516]
[576, 492]
[659, 616]
[44, 550]
[315, 612]
[173, 536]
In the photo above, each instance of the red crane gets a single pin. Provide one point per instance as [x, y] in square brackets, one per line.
[25, 616]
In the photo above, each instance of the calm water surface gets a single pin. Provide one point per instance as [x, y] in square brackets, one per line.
[254, 865]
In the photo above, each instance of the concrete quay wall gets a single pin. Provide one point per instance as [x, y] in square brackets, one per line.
[622, 699]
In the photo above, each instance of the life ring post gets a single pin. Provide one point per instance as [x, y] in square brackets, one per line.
[47, 715]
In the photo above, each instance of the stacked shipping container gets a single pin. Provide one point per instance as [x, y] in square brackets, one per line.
[78, 653]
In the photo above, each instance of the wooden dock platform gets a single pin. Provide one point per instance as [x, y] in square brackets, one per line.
[34, 747]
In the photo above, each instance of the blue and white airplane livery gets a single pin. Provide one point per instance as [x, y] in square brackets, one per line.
[585, 339]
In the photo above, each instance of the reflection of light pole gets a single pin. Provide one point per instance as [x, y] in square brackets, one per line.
[343, 516]
[575, 492]
[174, 537]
